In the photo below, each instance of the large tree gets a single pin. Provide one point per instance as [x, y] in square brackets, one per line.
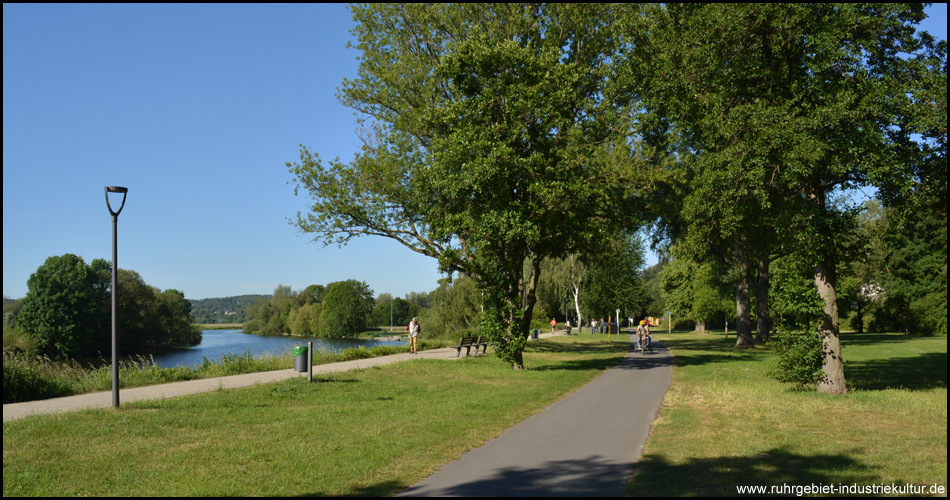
[783, 104]
[347, 308]
[488, 141]
[65, 307]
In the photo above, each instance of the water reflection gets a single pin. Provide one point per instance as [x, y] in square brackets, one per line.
[216, 343]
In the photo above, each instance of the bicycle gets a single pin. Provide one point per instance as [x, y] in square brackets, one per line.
[644, 343]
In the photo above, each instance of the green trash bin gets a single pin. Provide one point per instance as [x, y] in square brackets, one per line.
[300, 358]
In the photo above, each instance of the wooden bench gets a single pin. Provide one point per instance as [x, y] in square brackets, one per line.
[483, 343]
[467, 343]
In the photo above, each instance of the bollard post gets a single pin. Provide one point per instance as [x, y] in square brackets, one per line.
[310, 361]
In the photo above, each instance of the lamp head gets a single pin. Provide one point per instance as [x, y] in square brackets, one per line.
[116, 189]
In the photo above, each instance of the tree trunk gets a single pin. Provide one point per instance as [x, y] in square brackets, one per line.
[859, 317]
[825, 282]
[530, 298]
[576, 291]
[833, 365]
[743, 298]
[763, 326]
[701, 327]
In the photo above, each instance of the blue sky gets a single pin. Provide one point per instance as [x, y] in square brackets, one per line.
[196, 109]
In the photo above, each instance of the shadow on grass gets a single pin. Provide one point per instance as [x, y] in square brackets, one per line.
[924, 371]
[715, 477]
[382, 489]
[620, 344]
[691, 352]
[851, 338]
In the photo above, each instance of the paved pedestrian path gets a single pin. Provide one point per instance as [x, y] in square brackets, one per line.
[581, 446]
[103, 399]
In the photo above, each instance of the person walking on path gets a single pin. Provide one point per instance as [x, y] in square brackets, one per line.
[553, 325]
[413, 330]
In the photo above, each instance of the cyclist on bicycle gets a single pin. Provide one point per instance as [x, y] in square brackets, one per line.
[643, 335]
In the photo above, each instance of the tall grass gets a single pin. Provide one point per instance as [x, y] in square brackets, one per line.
[724, 423]
[27, 378]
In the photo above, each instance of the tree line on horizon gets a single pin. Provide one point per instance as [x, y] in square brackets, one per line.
[221, 310]
[571, 290]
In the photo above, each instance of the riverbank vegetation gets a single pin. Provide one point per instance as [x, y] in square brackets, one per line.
[67, 313]
[28, 378]
[360, 433]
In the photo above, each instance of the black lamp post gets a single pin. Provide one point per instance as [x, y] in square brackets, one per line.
[115, 284]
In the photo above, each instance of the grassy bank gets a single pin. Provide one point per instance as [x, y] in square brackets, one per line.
[28, 378]
[366, 432]
[724, 424]
[220, 326]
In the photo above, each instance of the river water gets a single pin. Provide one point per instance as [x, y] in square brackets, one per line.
[216, 343]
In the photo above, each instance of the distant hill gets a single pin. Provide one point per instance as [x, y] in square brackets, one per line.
[222, 310]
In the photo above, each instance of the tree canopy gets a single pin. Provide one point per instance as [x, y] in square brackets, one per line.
[780, 105]
[484, 125]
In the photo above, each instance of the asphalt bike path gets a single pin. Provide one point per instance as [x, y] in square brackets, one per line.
[584, 445]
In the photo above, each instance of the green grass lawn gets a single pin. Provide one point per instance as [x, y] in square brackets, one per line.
[375, 431]
[365, 432]
[724, 424]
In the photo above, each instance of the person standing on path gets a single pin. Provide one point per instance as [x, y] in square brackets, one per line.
[413, 330]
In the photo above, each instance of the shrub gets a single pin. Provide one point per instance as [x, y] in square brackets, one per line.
[799, 358]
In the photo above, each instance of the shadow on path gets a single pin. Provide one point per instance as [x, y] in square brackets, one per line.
[554, 478]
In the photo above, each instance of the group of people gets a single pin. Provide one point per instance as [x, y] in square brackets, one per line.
[595, 326]
[599, 326]
[643, 332]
